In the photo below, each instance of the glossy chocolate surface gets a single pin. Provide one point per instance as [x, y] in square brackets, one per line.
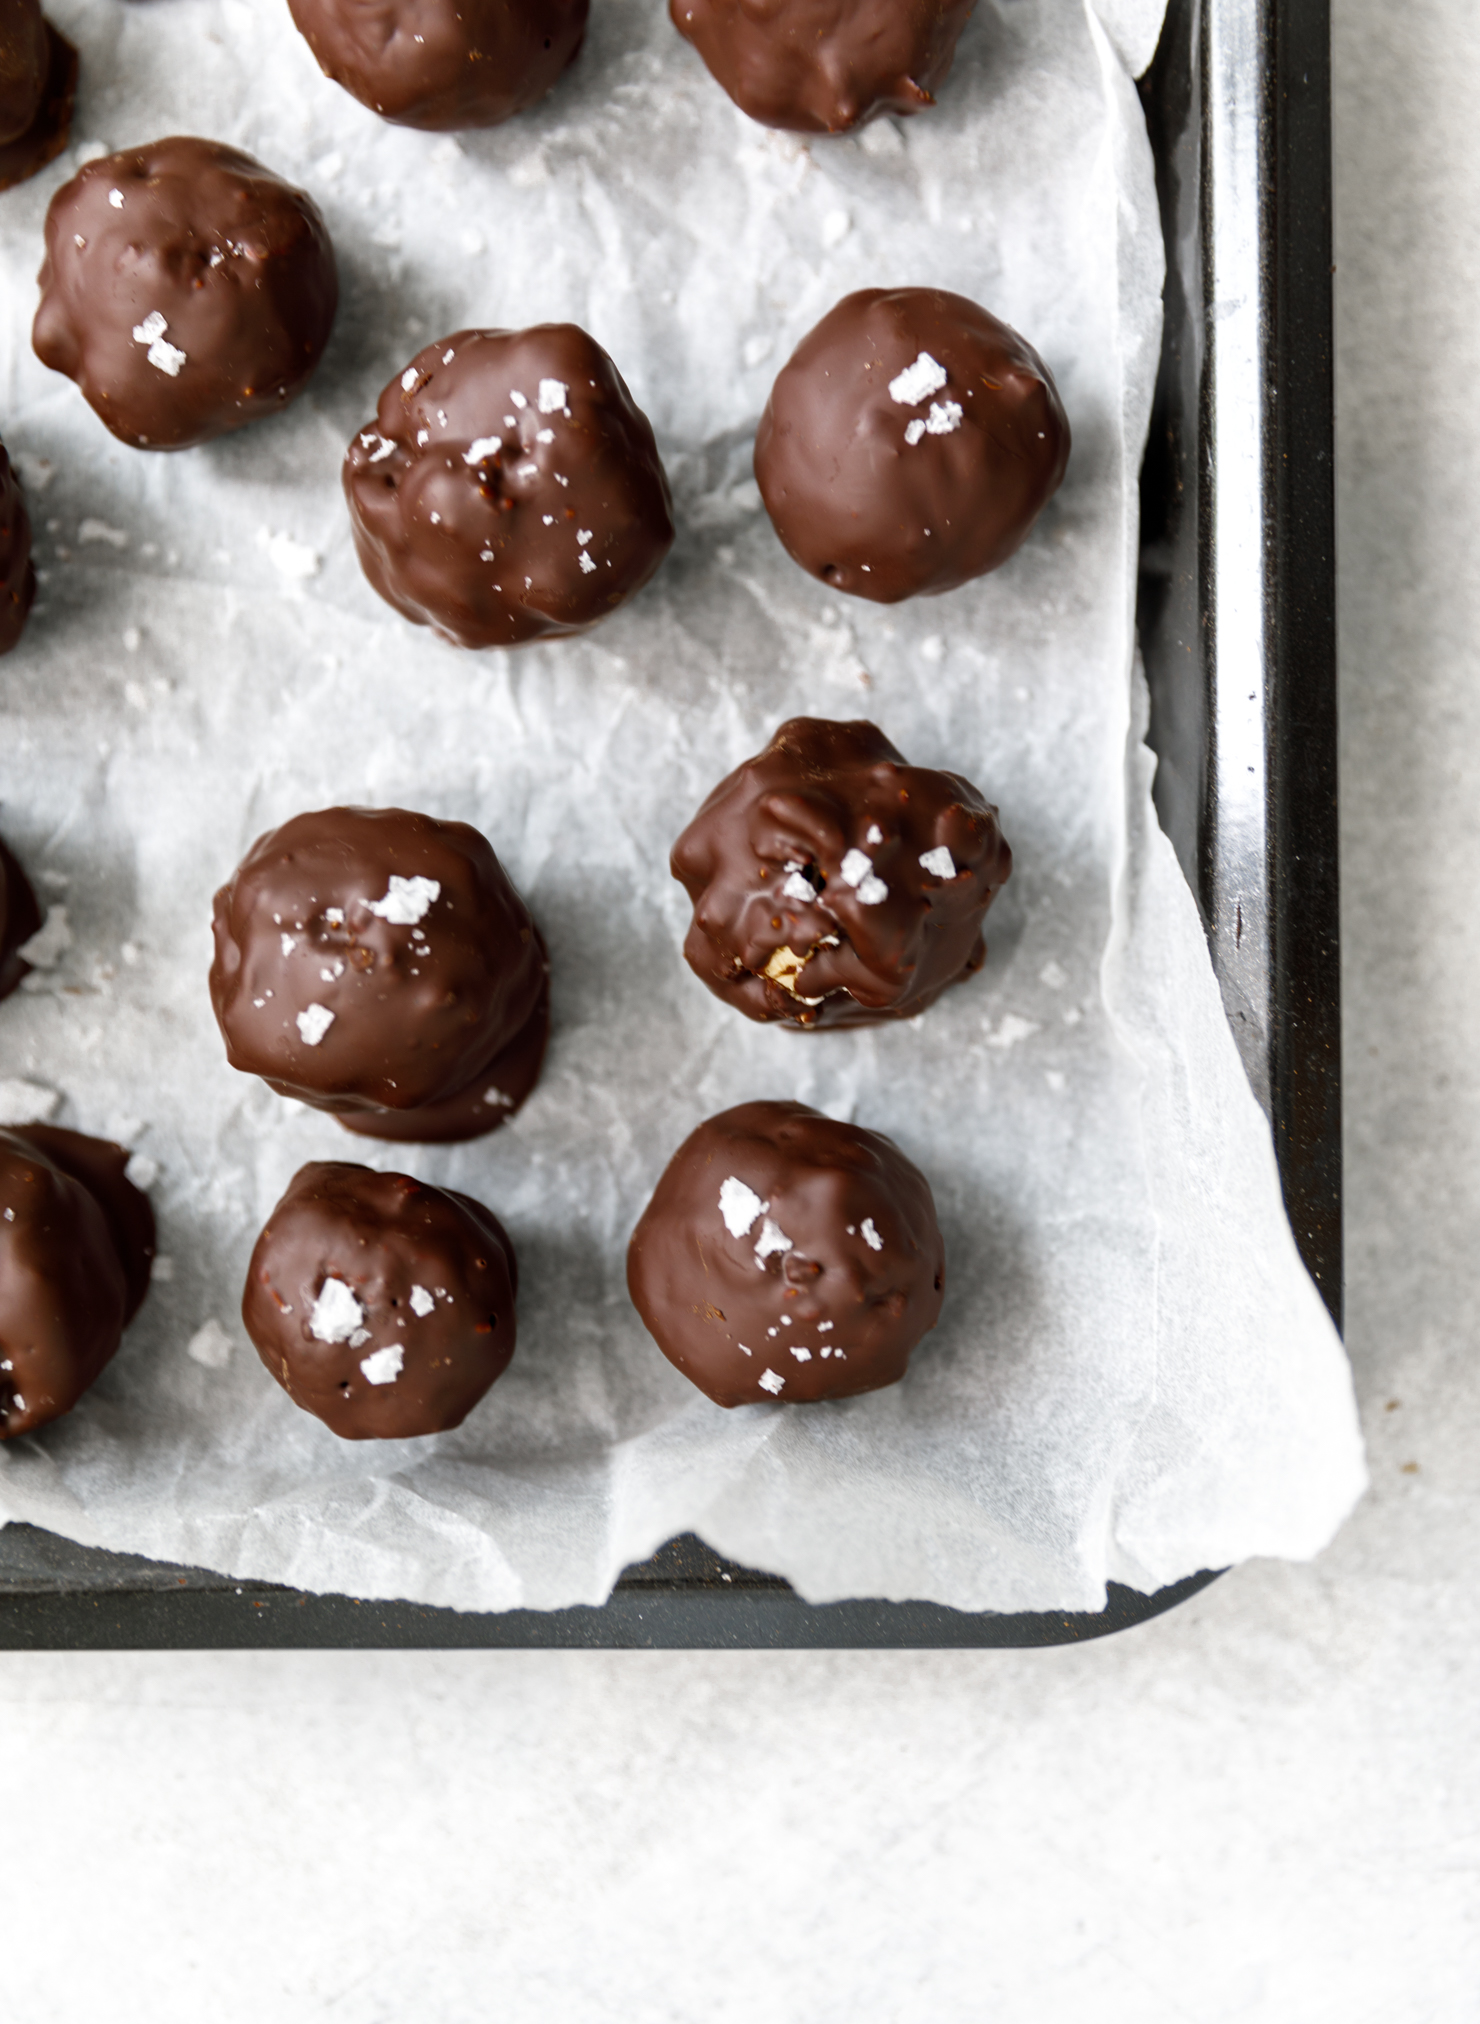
[76, 1241]
[17, 572]
[186, 289]
[509, 488]
[381, 1305]
[378, 964]
[822, 66]
[443, 64]
[834, 885]
[38, 86]
[20, 917]
[786, 1256]
[909, 444]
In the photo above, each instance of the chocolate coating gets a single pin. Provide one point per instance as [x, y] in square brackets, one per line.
[17, 572]
[909, 444]
[443, 64]
[813, 902]
[378, 964]
[38, 86]
[509, 488]
[20, 917]
[76, 1242]
[384, 1306]
[186, 289]
[823, 66]
[787, 1256]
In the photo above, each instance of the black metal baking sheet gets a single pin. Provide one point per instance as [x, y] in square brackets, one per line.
[1237, 621]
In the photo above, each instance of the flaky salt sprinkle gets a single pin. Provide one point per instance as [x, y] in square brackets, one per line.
[518, 399]
[772, 1381]
[870, 1235]
[409, 379]
[795, 887]
[337, 1315]
[553, 397]
[918, 381]
[875, 834]
[801, 1355]
[739, 1205]
[588, 567]
[938, 862]
[857, 869]
[383, 1366]
[386, 446]
[406, 900]
[944, 418]
[772, 1238]
[166, 357]
[421, 1301]
[313, 1023]
[482, 448]
[115, 198]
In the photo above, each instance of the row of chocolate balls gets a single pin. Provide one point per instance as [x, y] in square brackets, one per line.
[509, 488]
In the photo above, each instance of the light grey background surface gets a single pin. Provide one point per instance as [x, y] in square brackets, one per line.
[1262, 1807]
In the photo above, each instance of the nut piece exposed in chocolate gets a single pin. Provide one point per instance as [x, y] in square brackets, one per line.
[833, 885]
[186, 289]
[909, 444]
[76, 1242]
[787, 1256]
[822, 66]
[382, 1305]
[38, 83]
[20, 917]
[509, 488]
[379, 965]
[443, 64]
[17, 572]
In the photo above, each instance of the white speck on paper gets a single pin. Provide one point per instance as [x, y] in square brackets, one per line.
[23, 1102]
[331, 166]
[1011, 1031]
[336, 1313]
[162, 1268]
[588, 567]
[933, 649]
[421, 1301]
[938, 862]
[383, 1366]
[918, 381]
[50, 942]
[756, 350]
[739, 1205]
[99, 530]
[314, 1023]
[496, 1100]
[406, 900]
[210, 1345]
[1052, 975]
[772, 1381]
[141, 1172]
[835, 228]
[1055, 1079]
[771, 1239]
[553, 396]
[870, 1235]
[290, 558]
[115, 198]
[802, 1355]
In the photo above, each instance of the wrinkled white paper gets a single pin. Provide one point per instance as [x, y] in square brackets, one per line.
[1133, 1376]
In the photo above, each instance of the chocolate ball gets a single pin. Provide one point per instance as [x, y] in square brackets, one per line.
[909, 444]
[443, 64]
[509, 488]
[76, 1244]
[20, 917]
[379, 965]
[38, 84]
[787, 1256]
[834, 885]
[823, 66]
[384, 1306]
[186, 289]
[17, 572]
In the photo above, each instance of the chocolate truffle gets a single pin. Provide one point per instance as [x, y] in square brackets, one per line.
[443, 64]
[787, 1256]
[382, 1305]
[379, 965]
[76, 1244]
[17, 573]
[833, 885]
[186, 289]
[909, 444]
[20, 917]
[509, 488]
[822, 66]
[38, 83]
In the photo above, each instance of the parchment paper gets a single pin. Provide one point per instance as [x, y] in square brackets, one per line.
[1133, 1376]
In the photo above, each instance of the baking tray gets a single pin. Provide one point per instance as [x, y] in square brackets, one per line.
[1238, 629]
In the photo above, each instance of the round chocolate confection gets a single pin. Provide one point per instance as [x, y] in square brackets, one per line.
[20, 917]
[382, 1305]
[823, 66]
[909, 444]
[17, 572]
[787, 1256]
[186, 289]
[38, 84]
[76, 1244]
[443, 64]
[509, 488]
[833, 885]
[379, 965]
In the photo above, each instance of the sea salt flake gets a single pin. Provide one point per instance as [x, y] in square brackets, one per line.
[772, 1381]
[289, 942]
[938, 862]
[409, 379]
[544, 435]
[383, 1366]
[872, 892]
[115, 198]
[744, 1350]
[583, 535]
[918, 381]
[913, 432]
[739, 1205]
[796, 887]
[944, 419]
[333, 916]
[588, 567]
[421, 1301]
[314, 1023]
[336, 1313]
[518, 400]
[870, 1235]
[771, 1239]
[824, 1327]
[801, 1355]
[875, 834]
[141, 1172]
[553, 394]
[406, 900]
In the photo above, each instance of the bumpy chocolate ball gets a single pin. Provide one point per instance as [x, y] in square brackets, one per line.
[833, 885]
[509, 488]
[17, 572]
[909, 444]
[379, 965]
[38, 83]
[186, 289]
[76, 1243]
[443, 64]
[20, 917]
[382, 1305]
[787, 1256]
[822, 66]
